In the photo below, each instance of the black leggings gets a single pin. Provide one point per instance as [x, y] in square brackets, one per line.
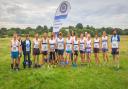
[27, 56]
[52, 56]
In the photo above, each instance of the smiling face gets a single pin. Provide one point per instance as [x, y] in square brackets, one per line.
[114, 32]
[27, 36]
[15, 36]
[45, 35]
[81, 36]
[104, 33]
[36, 35]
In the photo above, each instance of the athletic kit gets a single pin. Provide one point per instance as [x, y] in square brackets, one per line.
[44, 47]
[52, 43]
[88, 46]
[36, 50]
[104, 44]
[96, 45]
[115, 39]
[68, 45]
[14, 49]
[76, 47]
[82, 46]
[60, 46]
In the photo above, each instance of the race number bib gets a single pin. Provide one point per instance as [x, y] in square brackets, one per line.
[45, 47]
[68, 47]
[36, 46]
[114, 44]
[52, 47]
[96, 45]
[104, 45]
[14, 48]
[88, 49]
[75, 47]
[60, 46]
[81, 46]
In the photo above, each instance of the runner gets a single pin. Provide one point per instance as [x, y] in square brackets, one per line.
[44, 49]
[72, 38]
[36, 50]
[88, 49]
[27, 52]
[85, 38]
[68, 49]
[115, 40]
[56, 52]
[82, 48]
[61, 47]
[20, 53]
[15, 49]
[75, 51]
[52, 45]
[96, 48]
[105, 47]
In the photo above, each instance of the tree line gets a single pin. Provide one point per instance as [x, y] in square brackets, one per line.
[78, 29]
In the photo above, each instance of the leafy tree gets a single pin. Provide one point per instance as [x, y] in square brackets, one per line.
[79, 26]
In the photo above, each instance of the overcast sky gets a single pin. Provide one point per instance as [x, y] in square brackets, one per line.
[98, 13]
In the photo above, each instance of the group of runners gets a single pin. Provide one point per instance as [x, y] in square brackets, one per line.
[63, 51]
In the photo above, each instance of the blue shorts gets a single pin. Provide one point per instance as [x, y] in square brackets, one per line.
[14, 55]
[114, 51]
[60, 52]
[104, 50]
[68, 51]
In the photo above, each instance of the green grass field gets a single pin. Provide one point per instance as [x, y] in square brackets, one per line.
[64, 78]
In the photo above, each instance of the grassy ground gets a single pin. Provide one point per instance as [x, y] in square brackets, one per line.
[64, 78]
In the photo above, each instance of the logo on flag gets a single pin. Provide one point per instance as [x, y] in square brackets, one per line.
[60, 15]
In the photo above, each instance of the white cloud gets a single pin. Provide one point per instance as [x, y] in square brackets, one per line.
[99, 13]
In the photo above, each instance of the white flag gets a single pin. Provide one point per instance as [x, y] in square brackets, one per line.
[60, 15]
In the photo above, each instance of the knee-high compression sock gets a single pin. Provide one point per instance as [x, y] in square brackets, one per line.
[11, 66]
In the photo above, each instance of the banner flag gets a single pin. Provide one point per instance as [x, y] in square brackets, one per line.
[60, 15]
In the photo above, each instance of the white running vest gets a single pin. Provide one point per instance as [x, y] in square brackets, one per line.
[115, 43]
[104, 42]
[44, 45]
[60, 43]
[14, 45]
[68, 44]
[36, 43]
[82, 44]
[96, 43]
[52, 44]
[27, 45]
[88, 45]
[76, 45]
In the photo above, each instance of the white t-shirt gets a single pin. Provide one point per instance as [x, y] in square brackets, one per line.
[27, 45]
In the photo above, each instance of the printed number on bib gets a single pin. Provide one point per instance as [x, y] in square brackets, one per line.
[75, 47]
[81, 47]
[52, 47]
